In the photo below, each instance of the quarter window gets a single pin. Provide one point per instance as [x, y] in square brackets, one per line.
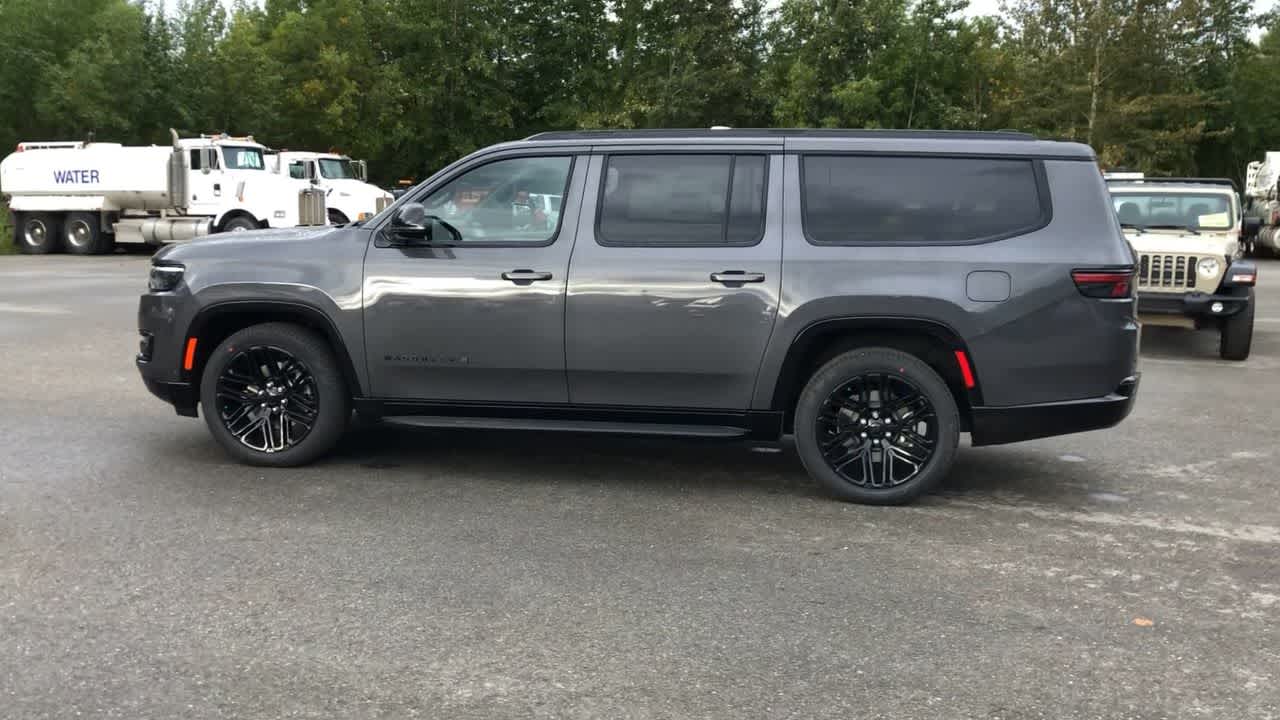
[688, 200]
[504, 201]
[881, 200]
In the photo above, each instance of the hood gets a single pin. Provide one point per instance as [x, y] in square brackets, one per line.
[357, 188]
[248, 244]
[1181, 242]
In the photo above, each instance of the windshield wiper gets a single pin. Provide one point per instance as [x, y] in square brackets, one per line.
[1188, 228]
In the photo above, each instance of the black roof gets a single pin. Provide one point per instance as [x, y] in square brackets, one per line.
[779, 133]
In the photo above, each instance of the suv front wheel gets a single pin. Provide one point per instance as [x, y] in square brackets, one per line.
[272, 395]
[877, 426]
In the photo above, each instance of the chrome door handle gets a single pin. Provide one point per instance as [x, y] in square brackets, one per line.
[737, 276]
[525, 276]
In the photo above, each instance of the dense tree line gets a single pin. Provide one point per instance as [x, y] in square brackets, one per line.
[1169, 86]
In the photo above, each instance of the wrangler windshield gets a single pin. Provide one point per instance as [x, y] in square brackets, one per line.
[1198, 211]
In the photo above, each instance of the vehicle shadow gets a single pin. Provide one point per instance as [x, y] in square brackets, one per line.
[661, 464]
[1169, 343]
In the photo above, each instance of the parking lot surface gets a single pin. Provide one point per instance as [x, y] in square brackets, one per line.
[1128, 573]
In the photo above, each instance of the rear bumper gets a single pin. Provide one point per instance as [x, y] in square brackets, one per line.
[1015, 423]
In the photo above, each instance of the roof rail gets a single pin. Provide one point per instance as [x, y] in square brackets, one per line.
[777, 132]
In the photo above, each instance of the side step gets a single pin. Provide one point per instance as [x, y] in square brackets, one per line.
[589, 426]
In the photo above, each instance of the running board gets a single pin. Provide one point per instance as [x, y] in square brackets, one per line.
[587, 426]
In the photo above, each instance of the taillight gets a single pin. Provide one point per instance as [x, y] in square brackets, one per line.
[1104, 283]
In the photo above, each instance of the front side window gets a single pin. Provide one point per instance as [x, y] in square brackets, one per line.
[880, 200]
[693, 200]
[336, 169]
[1198, 211]
[243, 158]
[498, 202]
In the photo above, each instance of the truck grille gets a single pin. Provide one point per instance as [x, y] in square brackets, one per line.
[1167, 271]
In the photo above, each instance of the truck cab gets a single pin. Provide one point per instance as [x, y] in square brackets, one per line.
[348, 195]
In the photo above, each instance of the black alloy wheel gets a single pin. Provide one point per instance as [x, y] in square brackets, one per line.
[877, 430]
[877, 425]
[267, 399]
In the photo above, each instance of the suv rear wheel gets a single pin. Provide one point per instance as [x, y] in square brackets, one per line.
[273, 395]
[877, 426]
[1237, 333]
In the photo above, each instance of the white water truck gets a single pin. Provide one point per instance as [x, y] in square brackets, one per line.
[84, 197]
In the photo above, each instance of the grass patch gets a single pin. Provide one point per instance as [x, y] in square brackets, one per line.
[6, 231]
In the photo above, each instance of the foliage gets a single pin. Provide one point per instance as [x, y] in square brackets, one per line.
[1168, 86]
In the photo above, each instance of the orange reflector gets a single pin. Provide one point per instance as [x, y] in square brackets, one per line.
[189, 359]
[966, 372]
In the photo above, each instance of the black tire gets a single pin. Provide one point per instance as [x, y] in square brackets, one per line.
[1236, 338]
[327, 400]
[238, 223]
[901, 370]
[336, 217]
[81, 234]
[37, 233]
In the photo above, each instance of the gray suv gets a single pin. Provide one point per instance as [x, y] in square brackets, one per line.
[873, 293]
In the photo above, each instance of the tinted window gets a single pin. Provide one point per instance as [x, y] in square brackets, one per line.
[498, 202]
[682, 200]
[881, 200]
[297, 171]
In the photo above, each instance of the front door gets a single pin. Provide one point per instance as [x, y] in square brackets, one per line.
[675, 278]
[204, 181]
[482, 320]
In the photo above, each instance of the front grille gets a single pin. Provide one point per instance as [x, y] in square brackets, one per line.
[1167, 271]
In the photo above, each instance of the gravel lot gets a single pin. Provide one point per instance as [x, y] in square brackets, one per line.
[1129, 573]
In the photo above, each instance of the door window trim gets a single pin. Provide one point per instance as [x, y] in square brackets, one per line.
[1037, 170]
[425, 192]
[733, 162]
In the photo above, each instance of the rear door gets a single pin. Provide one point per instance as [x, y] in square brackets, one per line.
[674, 281]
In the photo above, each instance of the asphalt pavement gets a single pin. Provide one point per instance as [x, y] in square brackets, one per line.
[1127, 573]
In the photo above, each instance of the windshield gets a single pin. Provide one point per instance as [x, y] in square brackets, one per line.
[336, 168]
[243, 158]
[1199, 211]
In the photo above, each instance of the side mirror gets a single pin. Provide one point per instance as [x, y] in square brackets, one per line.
[362, 169]
[208, 160]
[411, 226]
[1250, 226]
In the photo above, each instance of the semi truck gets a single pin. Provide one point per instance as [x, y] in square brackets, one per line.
[84, 197]
[1262, 205]
[347, 192]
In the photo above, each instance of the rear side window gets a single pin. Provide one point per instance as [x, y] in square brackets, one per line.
[682, 200]
[886, 200]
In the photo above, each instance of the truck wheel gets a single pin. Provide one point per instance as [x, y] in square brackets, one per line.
[877, 426]
[81, 234]
[1236, 338]
[239, 223]
[337, 218]
[272, 395]
[37, 233]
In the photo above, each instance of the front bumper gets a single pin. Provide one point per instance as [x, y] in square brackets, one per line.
[1194, 304]
[159, 358]
[1015, 423]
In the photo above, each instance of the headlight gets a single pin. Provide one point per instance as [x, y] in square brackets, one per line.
[164, 278]
[1209, 267]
